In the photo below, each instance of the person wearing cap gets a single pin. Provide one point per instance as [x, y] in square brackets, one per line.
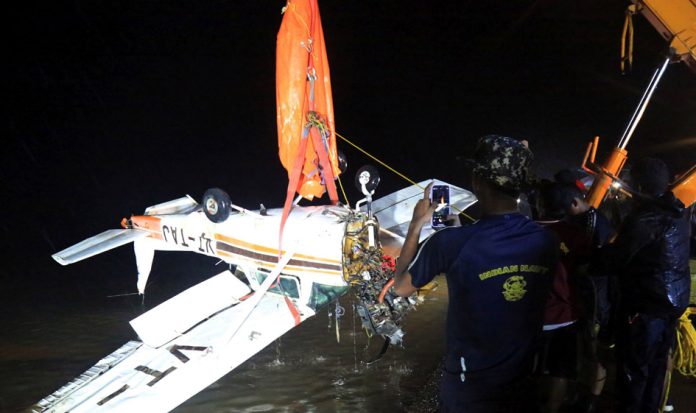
[651, 255]
[595, 289]
[498, 274]
[558, 355]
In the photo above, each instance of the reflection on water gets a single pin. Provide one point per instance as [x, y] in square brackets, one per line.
[307, 370]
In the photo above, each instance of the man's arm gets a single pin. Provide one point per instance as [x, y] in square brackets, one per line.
[422, 213]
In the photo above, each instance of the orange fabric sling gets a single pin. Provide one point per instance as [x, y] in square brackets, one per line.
[306, 140]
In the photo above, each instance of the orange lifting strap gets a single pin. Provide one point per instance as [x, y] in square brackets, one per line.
[306, 140]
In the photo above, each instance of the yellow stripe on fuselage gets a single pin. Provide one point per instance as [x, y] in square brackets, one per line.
[273, 251]
[271, 265]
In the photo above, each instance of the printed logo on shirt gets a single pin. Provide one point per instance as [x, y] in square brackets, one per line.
[498, 271]
[538, 269]
[513, 288]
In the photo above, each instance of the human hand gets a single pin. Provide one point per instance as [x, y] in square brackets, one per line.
[423, 211]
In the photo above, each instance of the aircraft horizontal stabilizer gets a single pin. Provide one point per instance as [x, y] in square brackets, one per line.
[97, 244]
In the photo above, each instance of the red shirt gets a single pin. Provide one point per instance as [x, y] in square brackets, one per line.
[561, 305]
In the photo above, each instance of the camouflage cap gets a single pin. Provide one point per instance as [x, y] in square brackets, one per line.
[502, 160]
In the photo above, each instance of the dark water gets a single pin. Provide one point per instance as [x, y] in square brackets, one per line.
[307, 370]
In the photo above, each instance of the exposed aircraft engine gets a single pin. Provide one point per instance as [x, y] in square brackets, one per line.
[368, 271]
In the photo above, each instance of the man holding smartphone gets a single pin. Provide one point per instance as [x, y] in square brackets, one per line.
[440, 195]
[498, 275]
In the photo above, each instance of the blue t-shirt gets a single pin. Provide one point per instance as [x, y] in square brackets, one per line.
[499, 273]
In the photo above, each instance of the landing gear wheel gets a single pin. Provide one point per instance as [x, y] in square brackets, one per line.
[216, 205]
[368, 175]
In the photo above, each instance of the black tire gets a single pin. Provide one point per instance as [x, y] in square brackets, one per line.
[371, 174]
[216, 205]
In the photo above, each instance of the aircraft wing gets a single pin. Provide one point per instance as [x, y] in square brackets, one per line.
[142, 378]
[394, 211]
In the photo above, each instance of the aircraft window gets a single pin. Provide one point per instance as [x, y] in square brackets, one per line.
[241, 275]
[289, 285]
[323, 294]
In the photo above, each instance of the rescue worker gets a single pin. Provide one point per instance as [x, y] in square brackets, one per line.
[652, 253]
[596, 292]
[498, 275]
[558, 357]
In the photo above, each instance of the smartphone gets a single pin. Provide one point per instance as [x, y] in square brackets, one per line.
[440, 194]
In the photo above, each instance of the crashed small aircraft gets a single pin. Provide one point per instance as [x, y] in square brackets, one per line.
[196, 337]
[284, 264]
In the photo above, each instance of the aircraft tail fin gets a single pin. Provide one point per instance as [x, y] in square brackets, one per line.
[97, 244]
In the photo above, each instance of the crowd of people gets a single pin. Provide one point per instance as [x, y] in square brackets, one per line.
[543, 299]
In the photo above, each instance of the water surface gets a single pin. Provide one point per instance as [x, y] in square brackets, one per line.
[307, 370]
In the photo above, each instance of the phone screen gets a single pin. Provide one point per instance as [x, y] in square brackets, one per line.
[440, 195]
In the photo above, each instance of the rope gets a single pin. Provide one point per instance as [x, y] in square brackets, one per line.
[666, 388]
[627, 30]
[407, 179]
[685, 359]
[314, 119]
[343, 191]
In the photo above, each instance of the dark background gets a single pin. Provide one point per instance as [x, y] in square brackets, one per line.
[113, 106]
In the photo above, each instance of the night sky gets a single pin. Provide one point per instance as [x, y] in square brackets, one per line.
[116, 106]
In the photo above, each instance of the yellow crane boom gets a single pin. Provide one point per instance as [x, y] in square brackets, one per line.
[675, 20]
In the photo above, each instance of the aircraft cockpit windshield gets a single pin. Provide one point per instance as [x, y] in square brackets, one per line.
[289, 284]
